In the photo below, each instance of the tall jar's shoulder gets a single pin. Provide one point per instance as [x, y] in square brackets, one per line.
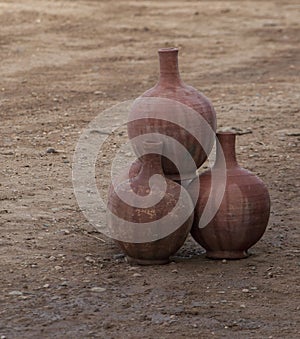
[185, 94]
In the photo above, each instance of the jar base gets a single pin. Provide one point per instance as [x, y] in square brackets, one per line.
[147, 262]
[227, 254]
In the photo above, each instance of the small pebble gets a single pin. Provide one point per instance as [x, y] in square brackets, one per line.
[90, 260]
[136, 275]
[132, 268]
[15, 293]
[245, 290]
[51, 150]
[98, 289]
[24, 297]
[119, 256]
[107, 325]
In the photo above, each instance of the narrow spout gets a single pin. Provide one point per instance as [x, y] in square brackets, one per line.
[226, 145]
[168, 63]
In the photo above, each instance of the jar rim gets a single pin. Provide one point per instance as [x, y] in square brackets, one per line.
[168, 49]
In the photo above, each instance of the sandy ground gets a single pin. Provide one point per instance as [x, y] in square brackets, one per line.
[65, 62]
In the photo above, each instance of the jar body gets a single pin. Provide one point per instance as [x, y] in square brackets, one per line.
[177, 111]
[241, 217]
[149, 215]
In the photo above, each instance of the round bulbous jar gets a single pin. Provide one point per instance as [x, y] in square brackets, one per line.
[243, 209]
[176, 110]
[149, 216]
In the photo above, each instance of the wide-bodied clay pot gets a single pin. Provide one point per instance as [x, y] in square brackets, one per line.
[149, 216]
[176, 110]
[243, 213]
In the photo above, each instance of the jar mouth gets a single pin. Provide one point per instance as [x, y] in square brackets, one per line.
[168, 49]
[151, 142]
[153, 146]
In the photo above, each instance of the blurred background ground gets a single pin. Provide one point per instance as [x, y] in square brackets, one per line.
[65, 62]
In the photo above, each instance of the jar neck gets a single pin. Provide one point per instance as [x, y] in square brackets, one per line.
[226, 147]
[168, 64]
[151, 164]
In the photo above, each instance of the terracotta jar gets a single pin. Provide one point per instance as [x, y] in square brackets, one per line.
[149, 216]
[173, 109]
[243, 210]
[129, 172]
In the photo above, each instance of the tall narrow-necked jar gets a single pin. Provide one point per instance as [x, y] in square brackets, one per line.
[242, 216]
[175, 111]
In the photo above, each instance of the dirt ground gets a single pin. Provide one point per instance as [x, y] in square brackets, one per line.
[62, 64]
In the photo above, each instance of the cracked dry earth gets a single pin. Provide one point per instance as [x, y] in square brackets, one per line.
[64, 63]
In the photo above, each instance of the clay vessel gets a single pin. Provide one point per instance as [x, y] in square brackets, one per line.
[149, 232]
[243, 214]
[128, 172]
[177, 110]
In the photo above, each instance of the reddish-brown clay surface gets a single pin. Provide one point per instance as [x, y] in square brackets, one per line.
[241, 216]
[62, 64]
[171, 87]
[171, 202]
